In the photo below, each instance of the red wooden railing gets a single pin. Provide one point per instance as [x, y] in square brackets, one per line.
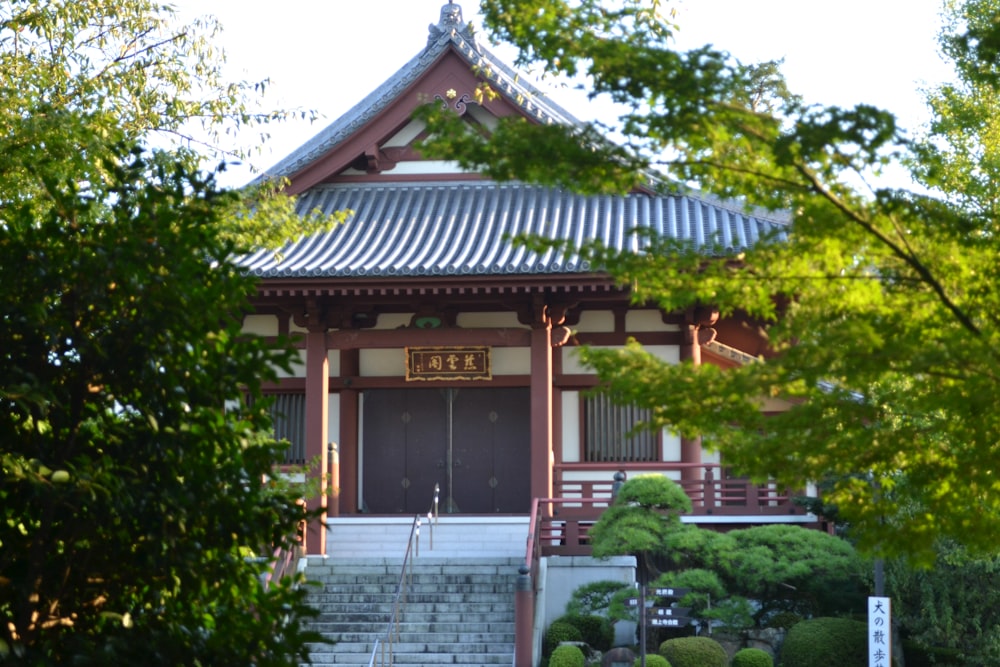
[709, 486]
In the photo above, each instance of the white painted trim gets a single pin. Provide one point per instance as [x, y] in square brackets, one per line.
[752, 518]
[407, 519]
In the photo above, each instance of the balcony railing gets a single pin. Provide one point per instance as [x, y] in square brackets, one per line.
[563, 521]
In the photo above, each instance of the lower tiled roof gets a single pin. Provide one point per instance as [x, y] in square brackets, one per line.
[464, 228]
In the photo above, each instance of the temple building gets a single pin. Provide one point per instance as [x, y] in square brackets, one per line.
[437, 353]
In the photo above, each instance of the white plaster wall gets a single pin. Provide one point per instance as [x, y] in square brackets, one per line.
[671, 445]
[393, 320]
[511, 360]
[261, 325]
[415, 167]
[570, 426]
[573, 365]
[668, 353]
[484, 117]
[298, 366]
[382, 362]
[406, 135]
[333, 359]
[571, 360]
[596, 321]
[647, 320]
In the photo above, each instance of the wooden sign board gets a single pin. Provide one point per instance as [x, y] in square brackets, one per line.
[448, 363]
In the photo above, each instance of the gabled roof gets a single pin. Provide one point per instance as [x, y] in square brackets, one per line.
[429, 220]
[464, 229]
[448, 34]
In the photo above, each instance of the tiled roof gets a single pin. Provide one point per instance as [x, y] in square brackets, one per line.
[502, 78]
[464, 228]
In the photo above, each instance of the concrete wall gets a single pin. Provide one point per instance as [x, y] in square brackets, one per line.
[559, 576]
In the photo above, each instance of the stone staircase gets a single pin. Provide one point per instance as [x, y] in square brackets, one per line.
[458, 610]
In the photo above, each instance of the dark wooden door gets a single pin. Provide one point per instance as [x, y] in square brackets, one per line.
[492, 451]
[404, 434]
[473, 443]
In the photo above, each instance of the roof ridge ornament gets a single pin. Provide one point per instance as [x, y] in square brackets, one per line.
[449, 24]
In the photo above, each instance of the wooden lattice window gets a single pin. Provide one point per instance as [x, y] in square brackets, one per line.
[610, 432]
[288, 415]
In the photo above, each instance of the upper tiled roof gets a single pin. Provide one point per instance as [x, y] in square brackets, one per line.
[464, 228]
[446, 33]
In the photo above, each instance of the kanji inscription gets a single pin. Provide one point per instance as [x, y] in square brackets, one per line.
[448, 363]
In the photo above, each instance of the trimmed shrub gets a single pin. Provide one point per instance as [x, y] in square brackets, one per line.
[916, 655]
[567, 655]
[752, 657]
[694, 652]
[826, 642]
[652, 661]
[783, 620]
[559, 632]
[597, 631]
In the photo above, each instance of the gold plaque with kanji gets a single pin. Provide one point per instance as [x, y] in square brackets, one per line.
[448, 363]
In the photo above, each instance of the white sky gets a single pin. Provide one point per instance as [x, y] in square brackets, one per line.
[328, 54]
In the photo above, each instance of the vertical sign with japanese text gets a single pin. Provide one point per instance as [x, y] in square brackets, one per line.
[879, 632]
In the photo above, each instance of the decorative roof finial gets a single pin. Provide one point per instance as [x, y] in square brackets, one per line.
[450, 21]
[451, 14]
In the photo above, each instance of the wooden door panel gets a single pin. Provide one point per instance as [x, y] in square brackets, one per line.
[491, 444]
[405, 450]
[404, 438]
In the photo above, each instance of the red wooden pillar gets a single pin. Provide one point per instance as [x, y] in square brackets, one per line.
[317, 409]
[541, 405]
[697, 331]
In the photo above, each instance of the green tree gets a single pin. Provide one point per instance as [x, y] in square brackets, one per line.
[79, 76]
[778, 567]
[880, 302]
[952, 605]
[129, 495]
[646, 510]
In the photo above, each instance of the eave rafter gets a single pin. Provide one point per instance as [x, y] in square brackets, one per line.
[584, 287]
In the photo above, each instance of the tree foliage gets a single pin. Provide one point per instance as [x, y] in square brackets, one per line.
[78, 76]
[880, 302]
[779, 567]
[129, 495]
[647, 509]
[953, 605]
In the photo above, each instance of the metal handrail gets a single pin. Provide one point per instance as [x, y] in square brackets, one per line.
[281, 563]
[405, 578]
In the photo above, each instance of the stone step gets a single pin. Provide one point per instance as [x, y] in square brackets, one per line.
[320, 566]
[456, 611]
[340, 630]
[448, 655]
[412, 660]
[340, 588]
[493, 613]
[451, 600]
